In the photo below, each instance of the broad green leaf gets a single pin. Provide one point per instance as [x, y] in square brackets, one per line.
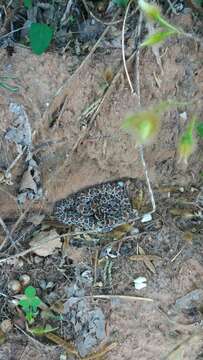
[30, 291]
[199, 129]
[27, 3]
[25, 305]
[40, 36]
[157, 37]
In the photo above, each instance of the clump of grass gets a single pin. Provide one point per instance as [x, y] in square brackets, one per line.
[144, 126]
[187, 142]
[153, 13]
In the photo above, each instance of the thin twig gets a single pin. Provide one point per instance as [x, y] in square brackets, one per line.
[145, 257]
[179, 252]
[8, 235]
[171, 6]
[123, 48]
[7, 172]
[2, 223]
[148, 180]
[14, 31]
[141, 150]
[122, 297]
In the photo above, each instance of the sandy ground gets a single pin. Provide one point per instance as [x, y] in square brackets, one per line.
[144, 331]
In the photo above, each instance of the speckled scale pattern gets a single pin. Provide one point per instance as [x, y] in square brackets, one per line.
[100, 207]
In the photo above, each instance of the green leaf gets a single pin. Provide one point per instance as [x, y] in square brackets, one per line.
[153, 12]
[166, 25]
[41, 331]
[30, 291]
[121, 3]
[25, 305]
[199, 129]
[29, 317]
[27, 3]
[10, 88]
[40, 36]
[157, 37]
[187, 143]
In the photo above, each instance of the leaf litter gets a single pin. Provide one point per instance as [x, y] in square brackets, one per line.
[20, 133]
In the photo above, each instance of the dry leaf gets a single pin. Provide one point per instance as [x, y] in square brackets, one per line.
[146, 261]
[36, 219]
[28, 182]
[67, 345]
[20, 133]
[2, 337]
[30, 187]
[47, 242]
[179, 352]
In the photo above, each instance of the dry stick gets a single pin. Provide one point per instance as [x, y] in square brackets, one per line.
[171, 6]
[9, 235]
[14, 31]
[122, 297]
[14, 162]
[179, 252]
[25, 252]
[2, 223]
[123, 47]
[21, 254]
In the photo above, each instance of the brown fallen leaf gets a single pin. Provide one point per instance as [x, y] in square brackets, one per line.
[66, 345]
[146, 261]
[2, 337]
[28, 182]
[47, 241]
[144, 257]
[70, 348]
[36, 219]
[100, 353]
[180, 350]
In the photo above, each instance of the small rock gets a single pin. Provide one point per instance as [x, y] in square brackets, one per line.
[15, 286]
[24, 280]
[6, 326]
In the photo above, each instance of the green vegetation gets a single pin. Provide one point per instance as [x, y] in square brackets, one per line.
[40, 36]
[30, 304]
